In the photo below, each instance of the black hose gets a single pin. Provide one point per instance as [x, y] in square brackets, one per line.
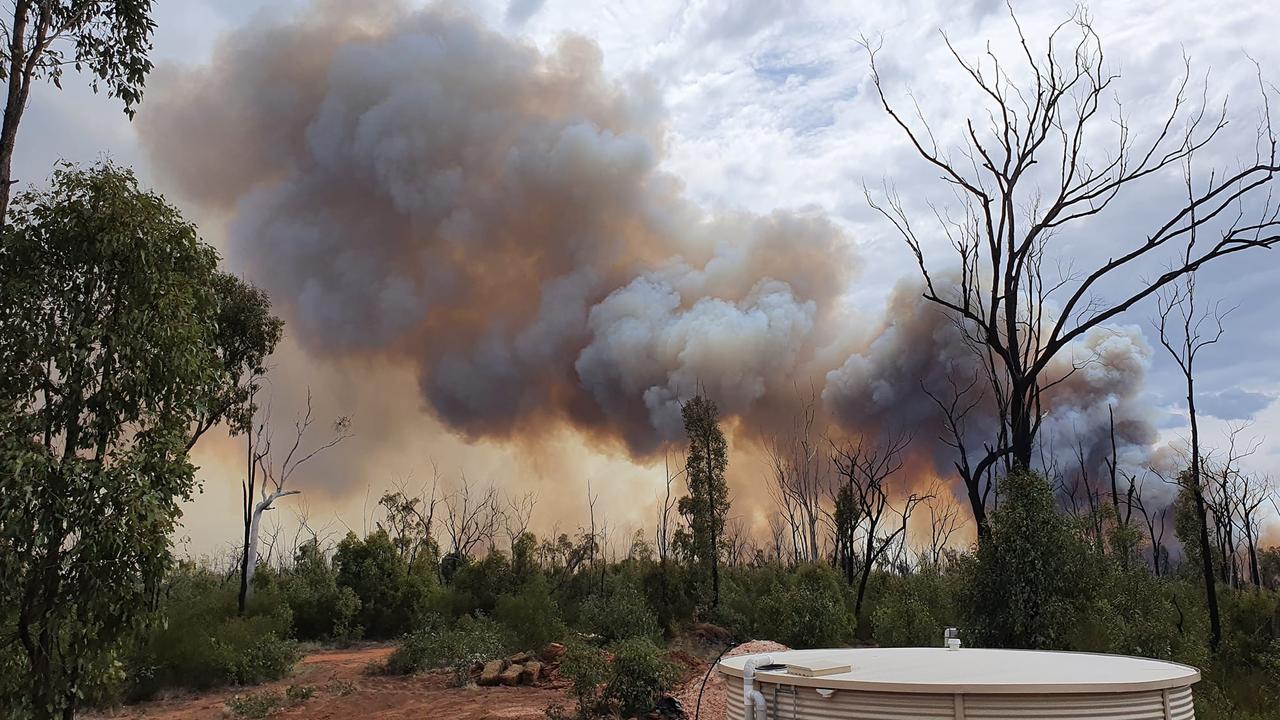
[697, 708]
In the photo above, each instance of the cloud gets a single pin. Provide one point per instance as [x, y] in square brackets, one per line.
[1233, 403]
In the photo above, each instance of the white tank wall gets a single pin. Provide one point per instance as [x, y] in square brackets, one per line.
[807, 704]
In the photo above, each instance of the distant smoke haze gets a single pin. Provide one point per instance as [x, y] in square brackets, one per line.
[412, 186]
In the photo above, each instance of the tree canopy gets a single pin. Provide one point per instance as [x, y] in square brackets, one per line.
[115, 354]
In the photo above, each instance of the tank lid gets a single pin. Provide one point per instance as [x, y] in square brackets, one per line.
[977, 670]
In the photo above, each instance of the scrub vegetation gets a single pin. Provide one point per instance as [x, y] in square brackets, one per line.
[122, 345]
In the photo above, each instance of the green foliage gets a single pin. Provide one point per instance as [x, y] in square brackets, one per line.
[707, 504]
[531, 615]
[619, 615]
[199, 641]
[373, 569]
[587, 669]
[1031, 583]
[477, 585]
[255, 705]
[321, 609]
[269, 657]
[109, 338]
[456, 645]
[298, 694]
[810, 609]
[638, 675]
[914, 610]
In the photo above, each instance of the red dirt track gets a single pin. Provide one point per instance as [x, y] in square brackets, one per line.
[370, 695]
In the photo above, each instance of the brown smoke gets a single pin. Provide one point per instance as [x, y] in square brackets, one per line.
[414, 187]
[413, 184]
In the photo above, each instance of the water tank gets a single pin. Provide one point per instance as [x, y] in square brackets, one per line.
[970, 683]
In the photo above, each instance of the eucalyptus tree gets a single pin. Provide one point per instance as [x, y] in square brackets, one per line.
[114, 362]
[108, 39]
[706, 507]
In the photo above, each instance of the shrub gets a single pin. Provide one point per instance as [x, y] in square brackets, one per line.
[270, 657]
[322, 609]
[1031, 583]
[638, 675]
[298, 694]
[255, 705]
[809, 610]
[457, 646]
[373, 569]
[587, 669]
[913, 610]
[531, 615]
[621, 615]
[199, 641]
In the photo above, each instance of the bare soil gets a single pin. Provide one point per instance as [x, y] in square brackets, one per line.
[348, 685]
[346, 688]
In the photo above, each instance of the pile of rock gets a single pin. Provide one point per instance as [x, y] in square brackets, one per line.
[520, 669]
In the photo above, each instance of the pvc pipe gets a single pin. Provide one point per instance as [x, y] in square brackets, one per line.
[752, 699]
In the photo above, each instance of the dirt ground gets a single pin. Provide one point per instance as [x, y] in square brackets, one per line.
[344, 688]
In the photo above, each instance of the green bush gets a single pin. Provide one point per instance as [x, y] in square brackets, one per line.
[638, 676]
[913, 610]
[457, 646]
[809, 610]
[199, 641]
[255, 705]
[587, 669]
[373, 569]
[531, 615]
[1032, 583]
[620, 615]
[322, 610]
[268, 658]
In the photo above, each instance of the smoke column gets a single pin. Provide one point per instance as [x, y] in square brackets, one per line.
[409, 184]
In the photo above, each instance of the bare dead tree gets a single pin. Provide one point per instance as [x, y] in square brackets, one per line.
[944, 522]
[274, 470]
[666, 509]
[1155, 519]
[1032, 166]
[1255, 491]
[471, 518]
[799, 479]
[519, 515]
[1226, 483]
[1185, 331]
[960, 399]
[778, 538]
[868, 467]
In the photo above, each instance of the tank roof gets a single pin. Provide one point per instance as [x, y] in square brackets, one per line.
[976, 670]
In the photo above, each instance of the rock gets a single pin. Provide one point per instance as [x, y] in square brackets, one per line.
[532, 672]
[552, 652]
[520, 658]
[491, 674]
[511, 676]
[669, 708]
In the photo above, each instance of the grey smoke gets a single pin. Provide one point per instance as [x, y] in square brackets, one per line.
[410, 184]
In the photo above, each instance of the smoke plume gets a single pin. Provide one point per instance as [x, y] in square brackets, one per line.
[409, 184]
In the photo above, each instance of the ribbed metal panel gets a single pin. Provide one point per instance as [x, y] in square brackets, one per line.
[1181, 706]
[1112, 706]
[801, 703]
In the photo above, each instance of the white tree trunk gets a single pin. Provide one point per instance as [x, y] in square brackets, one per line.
[255, 520]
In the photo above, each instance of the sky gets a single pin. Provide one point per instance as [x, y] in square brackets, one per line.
[730, 133]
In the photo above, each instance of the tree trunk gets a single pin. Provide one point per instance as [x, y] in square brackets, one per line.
[250, 555]
[1206, 556]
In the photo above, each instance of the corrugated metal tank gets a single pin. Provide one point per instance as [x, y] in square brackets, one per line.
[968, 684]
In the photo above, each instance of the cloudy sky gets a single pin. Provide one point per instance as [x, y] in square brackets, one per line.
[691, 209]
